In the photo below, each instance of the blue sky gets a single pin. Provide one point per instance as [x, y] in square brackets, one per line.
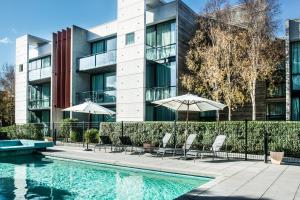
[42, 17]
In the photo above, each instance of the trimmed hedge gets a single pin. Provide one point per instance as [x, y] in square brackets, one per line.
[26, 131]
[283, 136]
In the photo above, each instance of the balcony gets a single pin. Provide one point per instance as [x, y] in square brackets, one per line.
[158, 53]
[101, 97]
[158, 93]
[98, 60]
[39, 74]
[39, 104]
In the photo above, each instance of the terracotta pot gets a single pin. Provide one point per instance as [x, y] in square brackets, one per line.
[276, 157]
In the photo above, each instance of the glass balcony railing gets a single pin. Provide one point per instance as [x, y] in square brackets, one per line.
[38, 74]
[98, 60]
[39, 104]
[157, 53]
[108, 96]
[158, 93]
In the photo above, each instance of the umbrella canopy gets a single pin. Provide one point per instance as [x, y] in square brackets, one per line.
[189, 102]
[90, 108]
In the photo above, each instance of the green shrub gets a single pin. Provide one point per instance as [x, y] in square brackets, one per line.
[26, 131]
[75, 136]
[66, 127]
[91, 136]
[283, 135]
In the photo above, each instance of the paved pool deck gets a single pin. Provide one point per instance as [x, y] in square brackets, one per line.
[233, 179]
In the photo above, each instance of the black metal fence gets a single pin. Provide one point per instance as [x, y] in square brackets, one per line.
[246, 140]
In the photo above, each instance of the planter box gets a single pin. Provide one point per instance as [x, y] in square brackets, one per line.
[148, 147]
[276, 157]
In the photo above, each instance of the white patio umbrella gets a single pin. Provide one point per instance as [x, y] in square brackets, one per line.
[90, 108]
[188, 103]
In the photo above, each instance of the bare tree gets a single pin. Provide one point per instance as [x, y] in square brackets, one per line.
[260, 19]
[7, 87]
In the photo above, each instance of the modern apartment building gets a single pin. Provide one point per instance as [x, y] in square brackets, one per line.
[293, 69]
[126, 64]
[122, 65]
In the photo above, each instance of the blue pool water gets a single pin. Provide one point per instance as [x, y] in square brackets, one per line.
[36, 177]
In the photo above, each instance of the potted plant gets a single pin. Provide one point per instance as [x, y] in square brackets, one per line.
[148, 146]
[90, 135]
[277, 155]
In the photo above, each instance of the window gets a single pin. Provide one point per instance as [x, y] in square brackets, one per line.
[277, 90]
[98, 47]
[295, 109]
[295, 62]
[161, 40]
[21, 68]
[129, 38]
[46, 62]
[40, 63]
[104, 46]
[276, 111]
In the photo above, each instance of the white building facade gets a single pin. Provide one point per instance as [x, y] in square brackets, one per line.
[123, 65]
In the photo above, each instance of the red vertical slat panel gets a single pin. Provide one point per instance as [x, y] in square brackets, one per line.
[63, 67]
[68, 68]
[59, 74]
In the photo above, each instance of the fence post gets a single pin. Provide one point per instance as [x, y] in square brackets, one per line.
[266, 148]
[174, 133]
[54, 133]
[246, 139]
[83, 134]
[122, 129]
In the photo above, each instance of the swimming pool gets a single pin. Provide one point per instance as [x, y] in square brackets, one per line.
[37, 177]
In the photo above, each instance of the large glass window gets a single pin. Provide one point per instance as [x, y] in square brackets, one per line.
[161, 34]
[39, 96]
[295, 109]
[104, 87]
[276, 111]
[295, 62]
[154, 113]
[111, 44]
[161, 75]
[98, 47]
[106, 81]
[39, 116]
[46, 62]
[104, 118]
[104, 46]
[161, 40]
[40, 63]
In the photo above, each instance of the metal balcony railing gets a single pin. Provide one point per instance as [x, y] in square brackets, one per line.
[158, 93]
[107, 96]
[98, 60]
[158, 53]
[38, 74]
[39, 104]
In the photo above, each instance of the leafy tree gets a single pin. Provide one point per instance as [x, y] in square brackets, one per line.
[7, 93]
[228, 56]
[214, 57]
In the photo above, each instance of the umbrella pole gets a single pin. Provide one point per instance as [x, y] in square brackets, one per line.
[186, 129]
